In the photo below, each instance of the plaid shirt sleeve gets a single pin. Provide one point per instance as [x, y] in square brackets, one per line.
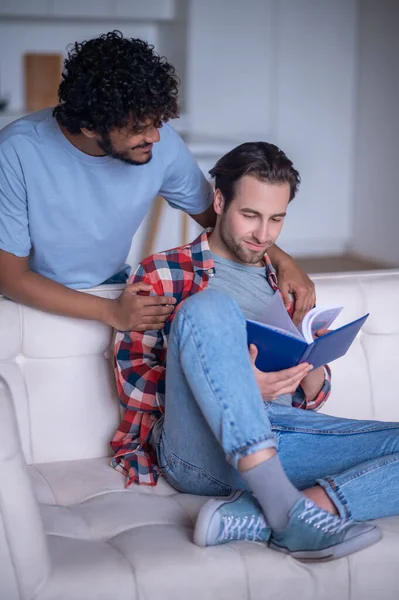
[299, 400]
[140, 377]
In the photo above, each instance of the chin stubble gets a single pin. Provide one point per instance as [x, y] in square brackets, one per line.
[237, 250]
[106, 146]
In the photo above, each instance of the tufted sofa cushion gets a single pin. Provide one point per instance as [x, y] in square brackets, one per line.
[105, 541]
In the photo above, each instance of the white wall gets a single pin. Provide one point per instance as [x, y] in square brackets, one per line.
[17, 37]
[283, 71]
[279, 70]
[313, 118]
[229, 66]
[172, 42]
[376, 161]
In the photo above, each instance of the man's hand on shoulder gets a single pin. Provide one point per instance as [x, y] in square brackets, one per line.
[293, 280]
[133, 312]
[129, 312]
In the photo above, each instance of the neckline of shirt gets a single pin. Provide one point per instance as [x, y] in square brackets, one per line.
[55, 129]
[235, 265]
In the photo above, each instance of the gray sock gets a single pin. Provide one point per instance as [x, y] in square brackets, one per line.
[273, 490]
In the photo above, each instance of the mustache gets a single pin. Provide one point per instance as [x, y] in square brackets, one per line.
[144, 145]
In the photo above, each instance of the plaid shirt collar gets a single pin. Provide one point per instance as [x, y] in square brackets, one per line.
[202, 259]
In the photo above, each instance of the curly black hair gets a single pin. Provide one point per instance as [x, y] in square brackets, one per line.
[112, 81]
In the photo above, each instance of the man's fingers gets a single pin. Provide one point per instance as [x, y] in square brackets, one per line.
[134, 288]
[289, 384]
[300, 311]
[305, 300]
[253, 353]
[154, 300]
[321, 332]
[295, 381]
[285, 293]
[287, 387]
[283, 382]
[301, 304]
[140, 286]
[292, 372]
[151, 311]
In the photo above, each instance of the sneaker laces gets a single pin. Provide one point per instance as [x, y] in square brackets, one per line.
[238, 528]
[321, 519]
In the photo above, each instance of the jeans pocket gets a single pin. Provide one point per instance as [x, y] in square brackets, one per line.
[190, 479]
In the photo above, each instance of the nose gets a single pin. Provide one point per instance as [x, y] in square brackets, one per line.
[152, 136]
[261, 233]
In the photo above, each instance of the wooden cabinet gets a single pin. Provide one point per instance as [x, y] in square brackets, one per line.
[42, 78]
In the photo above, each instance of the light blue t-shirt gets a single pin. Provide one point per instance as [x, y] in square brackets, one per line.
[249, 287]
[73, 214]
[247, 284]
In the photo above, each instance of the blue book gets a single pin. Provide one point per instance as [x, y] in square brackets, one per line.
[281, 345]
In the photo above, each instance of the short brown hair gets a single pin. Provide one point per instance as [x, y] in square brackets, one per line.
[262, 160]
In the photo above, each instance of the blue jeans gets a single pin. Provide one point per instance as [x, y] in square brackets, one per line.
[215, 415]
[120, 277]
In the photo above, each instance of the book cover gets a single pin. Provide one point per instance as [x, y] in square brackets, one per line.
[281, 347]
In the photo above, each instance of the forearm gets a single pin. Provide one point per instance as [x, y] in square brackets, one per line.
[312, 383]
[207, 218]
[297, 290]
[32, 289]
[278, 256]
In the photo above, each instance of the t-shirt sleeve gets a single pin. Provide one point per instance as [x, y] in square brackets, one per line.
[14, 228]
[184, 185]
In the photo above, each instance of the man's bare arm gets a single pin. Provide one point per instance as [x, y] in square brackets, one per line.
[312, 383]
[128, 312]
[207, 218]
[292, 280]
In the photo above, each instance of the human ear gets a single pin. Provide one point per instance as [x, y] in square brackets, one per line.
[88, 133]
[218, 202]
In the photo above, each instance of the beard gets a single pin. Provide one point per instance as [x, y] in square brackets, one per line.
[106, 146]
[244, 255]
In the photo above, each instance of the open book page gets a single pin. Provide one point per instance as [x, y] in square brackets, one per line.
[277, 317]
[320, 317]
[292, 334]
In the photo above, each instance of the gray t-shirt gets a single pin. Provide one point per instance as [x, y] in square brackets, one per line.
[249, 287]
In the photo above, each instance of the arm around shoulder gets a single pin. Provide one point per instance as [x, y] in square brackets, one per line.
[184, 185]
[21, 284]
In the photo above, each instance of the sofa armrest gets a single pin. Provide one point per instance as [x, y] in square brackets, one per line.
[24, 560]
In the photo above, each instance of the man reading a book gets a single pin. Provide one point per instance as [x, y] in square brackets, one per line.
[199, 412]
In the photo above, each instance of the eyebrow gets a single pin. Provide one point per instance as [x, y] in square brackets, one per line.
[255, 212]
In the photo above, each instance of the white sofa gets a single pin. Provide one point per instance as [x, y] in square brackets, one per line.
[70, 531]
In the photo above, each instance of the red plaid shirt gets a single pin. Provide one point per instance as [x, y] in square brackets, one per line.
[140, 357]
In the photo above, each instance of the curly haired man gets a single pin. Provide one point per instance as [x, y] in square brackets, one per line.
[77, 180]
